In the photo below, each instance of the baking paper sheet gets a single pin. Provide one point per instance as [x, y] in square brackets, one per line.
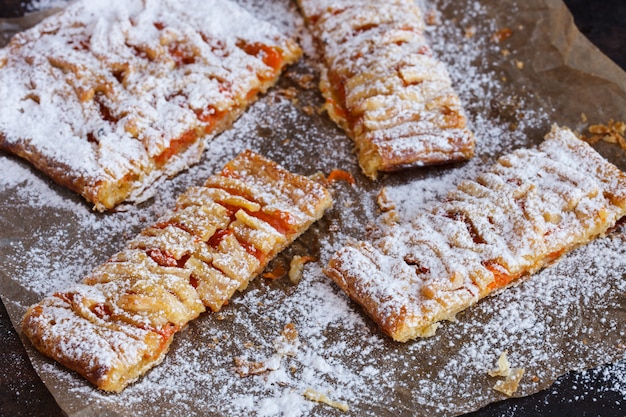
[568, 317]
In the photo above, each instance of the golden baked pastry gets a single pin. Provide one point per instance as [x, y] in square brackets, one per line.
[383, 86]
[120, 320]
[107, 97]
[532, 207]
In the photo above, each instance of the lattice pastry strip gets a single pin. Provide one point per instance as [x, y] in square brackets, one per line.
[120, 320]
[108, 97]
[532, 207]
[383, 86]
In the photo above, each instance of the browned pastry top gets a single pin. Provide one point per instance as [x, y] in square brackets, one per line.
[108, 96]
[383, 85]
[530, 208]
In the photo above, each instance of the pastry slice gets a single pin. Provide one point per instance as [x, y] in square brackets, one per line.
[108, 97]
[383, 86]
[532, 207]
[119, 321]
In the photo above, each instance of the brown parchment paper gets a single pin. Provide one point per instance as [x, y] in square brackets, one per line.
[569, 317]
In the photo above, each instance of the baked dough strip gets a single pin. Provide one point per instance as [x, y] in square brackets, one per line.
[108, 97]
[383, 86]
[120, 320]
[531, 208]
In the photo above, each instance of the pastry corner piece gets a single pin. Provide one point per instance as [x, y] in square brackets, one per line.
[120, 320]
[383, 86]
[532, 207]
[108, 97]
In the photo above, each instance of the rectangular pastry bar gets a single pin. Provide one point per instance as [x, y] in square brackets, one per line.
[383, 86]
[532, 207]
[108, 96]
[120, 320]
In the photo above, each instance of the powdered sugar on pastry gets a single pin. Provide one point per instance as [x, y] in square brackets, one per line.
[529, 209]
[384, 87]
[121, 320]
[107, 97]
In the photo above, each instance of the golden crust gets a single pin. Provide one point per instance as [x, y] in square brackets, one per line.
[383, 86]
[532, 207]
[108, 97]
[120, 320]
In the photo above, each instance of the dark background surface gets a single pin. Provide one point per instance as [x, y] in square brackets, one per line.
[604, 22]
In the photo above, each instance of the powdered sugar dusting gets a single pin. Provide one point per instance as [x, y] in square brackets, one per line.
[106, 97]
[341, 352]
[383, 86]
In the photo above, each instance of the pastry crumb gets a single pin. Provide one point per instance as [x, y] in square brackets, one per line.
[501, 35]
[308, 110]
[504, 367]
[612, 132]
[312, 395]
[296, 266]
[286, 344]
[340, 175]
[509, 385]
[470, 31]
[385, 203]
[247, 368]
[512, 376]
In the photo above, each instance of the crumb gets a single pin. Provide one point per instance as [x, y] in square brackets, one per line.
[340, 175]
[286, 344]
[296, 266]
[501, 35]
[432, 17]
[290, 332]
[612, 132]
[313, 395]
[247, 368]
[304, 81]
[391, 218]
[289, 92]
[512, 376]
[509, 385]
[385, 203]
[519, 64]
[308, 110]
[504, 367]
